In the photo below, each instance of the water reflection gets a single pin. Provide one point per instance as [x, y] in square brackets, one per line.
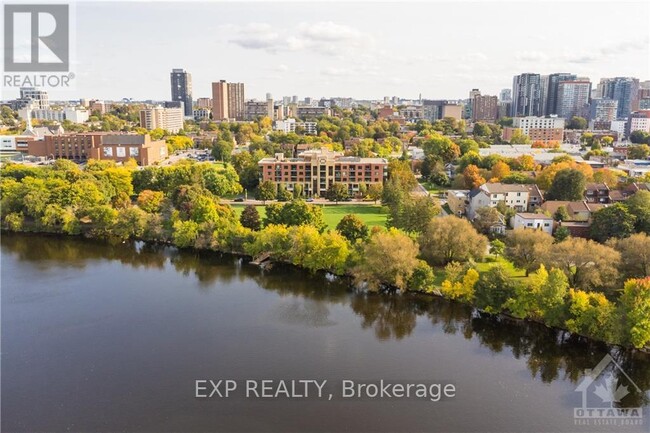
[307, 299]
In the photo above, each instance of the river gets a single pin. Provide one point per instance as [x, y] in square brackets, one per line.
[99, 337]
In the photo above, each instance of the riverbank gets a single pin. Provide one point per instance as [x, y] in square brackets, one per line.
[346, 277]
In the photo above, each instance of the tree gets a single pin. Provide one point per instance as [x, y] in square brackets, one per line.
[614, 221]
[450, 238]
[283, 193]
[473, 178]
[518, 137]
[577, 122]
[295, 213]
[592, 314]
[375, 191]
[352, 228]
[461, 290]
[412, 214]
[500, 170]
[587, 264]
[185, 233]
[561, 233]
[635, 255]
[266, 191]
[486, 218]
[250, 218]
[635, 303]
[638, 152]
[639, 206]
[337, 192]
[568, 184]
[441, 147]
[493, 289]
[561, 214]
[222, 150]
[388, 258]
[497, 247]
[150, 201]
[525, 248]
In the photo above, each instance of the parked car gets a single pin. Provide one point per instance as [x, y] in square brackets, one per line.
[310, 199]
[239, 199]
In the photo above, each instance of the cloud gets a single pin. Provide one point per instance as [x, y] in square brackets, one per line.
[531, 56]
[325, 37]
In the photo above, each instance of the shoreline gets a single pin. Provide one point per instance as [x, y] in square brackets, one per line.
[391, 292]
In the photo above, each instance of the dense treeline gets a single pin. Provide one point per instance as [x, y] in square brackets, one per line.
[574, 283]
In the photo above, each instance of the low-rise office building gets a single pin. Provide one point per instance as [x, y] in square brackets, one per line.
[100, 146]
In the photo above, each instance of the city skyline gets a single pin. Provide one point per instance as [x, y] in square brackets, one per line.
[337, 54]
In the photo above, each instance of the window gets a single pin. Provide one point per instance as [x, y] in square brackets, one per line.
[108, 151]
[134, 151]
[121, 152]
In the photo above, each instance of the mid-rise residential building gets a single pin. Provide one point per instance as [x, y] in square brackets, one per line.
[169, 119]
[254, 109]
[181, 89]
[412, 113]
[100, 146]
[36, 98]
[526, 95]
[201, 113]
[310, 128]
[485, 108]
[72, 114]
[639, 121]
[573, 98]
[306, 112]
[286, 125]
[316, 170]
[537, 128]
[439, 109]
[204, 103]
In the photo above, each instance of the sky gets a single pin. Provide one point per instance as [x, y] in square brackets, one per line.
[365, 50]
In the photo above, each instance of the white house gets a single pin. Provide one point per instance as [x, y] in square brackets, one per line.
[535, 221]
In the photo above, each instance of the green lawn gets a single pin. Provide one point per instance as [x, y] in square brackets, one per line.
[372, 215]
[507, 265]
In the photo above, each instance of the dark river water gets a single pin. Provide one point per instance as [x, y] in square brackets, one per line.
[99, 337]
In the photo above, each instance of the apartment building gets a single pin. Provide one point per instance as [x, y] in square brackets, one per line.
[254, 109]
[485, 108]
[316, 170]
[537, 128]
[181, 89]
[169, 119]
[639, 121]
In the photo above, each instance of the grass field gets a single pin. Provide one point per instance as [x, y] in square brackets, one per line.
[370, 214]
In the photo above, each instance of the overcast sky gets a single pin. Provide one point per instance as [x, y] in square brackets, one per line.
[363, 50]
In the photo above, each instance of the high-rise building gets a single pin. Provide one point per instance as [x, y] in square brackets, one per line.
[236, 101]
[526, 95]
[181, 84]
[505, 95]
[169, 119]
[485, 108]
[220, 100]
[552, 89]
[603, 110]
[623, 89]
[573, 98]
